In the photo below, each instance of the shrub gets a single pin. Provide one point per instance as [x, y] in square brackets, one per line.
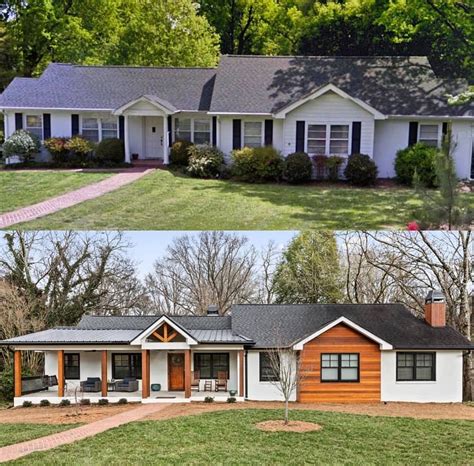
[333, 165]
[231, 399]
[257, 164]
[419, 158]
[361, 170]
[45, 403]
[64, 402]
[111, 151]
[85, 402]
[79, 147]
[103, 401]
[298, 167]
[27, 404]
[179, 155]
[6, 383]
[57, 147]
[320, 164]
[209, 399]
[122, 401]
[21, 143]
[205, 161]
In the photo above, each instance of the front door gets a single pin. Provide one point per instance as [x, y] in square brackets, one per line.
[153, 137]
[175, 371]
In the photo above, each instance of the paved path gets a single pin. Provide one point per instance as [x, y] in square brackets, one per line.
[18, 450]
[25, 214]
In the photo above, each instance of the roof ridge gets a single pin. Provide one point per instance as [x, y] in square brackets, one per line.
[75, 65]
[348, 57]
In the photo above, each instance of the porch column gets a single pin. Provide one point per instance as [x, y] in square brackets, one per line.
[241, 373]
[187, 374]
[126, 139]
[17, 372]
[145, 373]
[104, 373]
[166, 155]
[61, 373]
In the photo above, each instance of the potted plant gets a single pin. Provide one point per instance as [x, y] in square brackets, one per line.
[232, 393]
[135, 156]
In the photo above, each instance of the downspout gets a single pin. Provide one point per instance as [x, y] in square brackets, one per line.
[245, 376]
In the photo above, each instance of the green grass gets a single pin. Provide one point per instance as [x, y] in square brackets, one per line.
[166, 201]
[23, 188]
[16, 433]
[230, 437]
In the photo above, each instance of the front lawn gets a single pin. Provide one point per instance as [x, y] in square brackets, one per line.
[166, 201]
[230, 437]
[23, 188]
[16, 433]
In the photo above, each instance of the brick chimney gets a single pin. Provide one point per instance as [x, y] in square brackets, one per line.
[435, 309]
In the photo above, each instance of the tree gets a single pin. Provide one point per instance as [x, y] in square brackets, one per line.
[309, 271]
[214, 268]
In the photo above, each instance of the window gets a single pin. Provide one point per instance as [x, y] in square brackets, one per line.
[339, 142]
[202, 131]
[268, 370]
[71, 366]
[316, 139]
[109, 128]
[126, 365]
[429, 135]
[416, 366]
[340, 367]
[34, 125]
[209, 364]
[90, 129]
[182, 130]
[252, 133]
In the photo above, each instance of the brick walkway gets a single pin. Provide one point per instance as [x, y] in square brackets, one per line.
[69, 199]
[18, 450]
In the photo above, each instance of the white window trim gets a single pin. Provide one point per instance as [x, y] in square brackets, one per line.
[262, 131]
[328, 136]
[99, 122]
[431, 123]
[25, 126]
[192, 126]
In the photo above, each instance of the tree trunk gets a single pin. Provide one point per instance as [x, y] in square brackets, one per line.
[467, 378]
[286, 412]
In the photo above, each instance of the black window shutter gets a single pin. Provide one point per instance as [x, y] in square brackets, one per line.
[236, 134]
[300, 136]
[121, 127]
[413, 133]
[170, 130]
[46, 125]
[18, 121]
[356, 132]
[214, 131]
[445, 129]
[74, 125]
[268, 132]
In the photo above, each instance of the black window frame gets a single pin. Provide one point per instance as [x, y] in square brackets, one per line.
[266, 377]
[339, 367]
[138, 371]
[413, 377]
[68, 366]
[213, 372]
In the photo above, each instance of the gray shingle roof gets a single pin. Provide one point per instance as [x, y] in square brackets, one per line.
[274, 325]
[392, 85]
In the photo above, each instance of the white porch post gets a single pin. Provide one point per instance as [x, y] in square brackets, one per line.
[166, 156]
[126, 139]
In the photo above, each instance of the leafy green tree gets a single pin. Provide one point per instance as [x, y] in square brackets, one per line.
[309, 271]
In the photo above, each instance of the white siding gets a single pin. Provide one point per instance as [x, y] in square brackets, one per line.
[463, 138]
[446, 389]
[329, 109]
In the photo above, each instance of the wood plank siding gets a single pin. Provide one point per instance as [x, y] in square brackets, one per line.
[340, 339]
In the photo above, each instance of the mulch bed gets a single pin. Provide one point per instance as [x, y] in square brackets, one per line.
[292, 426]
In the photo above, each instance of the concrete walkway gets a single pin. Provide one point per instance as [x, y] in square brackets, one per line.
[55, 204]
[18, 450]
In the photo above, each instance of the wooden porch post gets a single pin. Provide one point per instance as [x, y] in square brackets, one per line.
[17, 374]
[126, 139]
[187, 374]
[104, 373]
[61, 373]
[241, 373]
[145, 373]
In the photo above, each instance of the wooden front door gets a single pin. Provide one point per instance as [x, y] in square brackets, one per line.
[175, 371]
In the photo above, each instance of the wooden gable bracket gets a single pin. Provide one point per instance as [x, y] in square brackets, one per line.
[166, 337]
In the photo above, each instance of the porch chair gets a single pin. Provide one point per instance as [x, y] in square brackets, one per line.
[128, 384]
[221, 381]
[92, 384]
[195, 380]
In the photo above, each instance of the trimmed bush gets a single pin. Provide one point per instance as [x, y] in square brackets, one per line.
[21, 143]
[258, 164]
[361, 170]
[27, 404]
[419, 158]
[57, 147]
[231, 399]
[122, 401]
[298, 168]
[103, 401]
[85, 402]
[209, 399]
[111, 151]
[333, 166]
[45, 403]
[64, 402]
[205, 161]
[79, 147]
[320, 165]
[179, 155]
